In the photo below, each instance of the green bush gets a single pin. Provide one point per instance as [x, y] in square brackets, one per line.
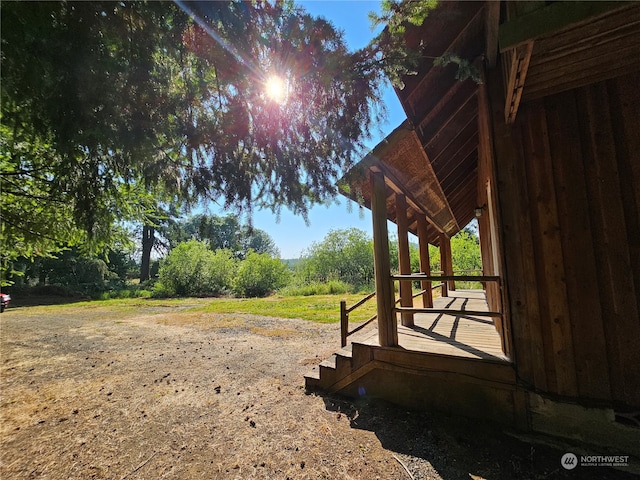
[344, 255]
[160, 290]
[259, 274]
[192, 269]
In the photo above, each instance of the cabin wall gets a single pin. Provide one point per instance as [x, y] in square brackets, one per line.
[568, 181]
[488, 222]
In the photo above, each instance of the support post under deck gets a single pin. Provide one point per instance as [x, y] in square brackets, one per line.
[446, 264]
[425, 267]
[387, 323]
[404, 258]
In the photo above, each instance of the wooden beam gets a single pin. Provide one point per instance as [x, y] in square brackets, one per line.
[468, 103]
[387, 323]
[443, 148]
[516, 67]
[442, 103]
[449, 311]
[459, 278]
[445, 262]
[404, 259]
[528, 346]
[545, 21]
[492, 26]
[425, 267]
[398, 187]
[470, 30]
[489, 224]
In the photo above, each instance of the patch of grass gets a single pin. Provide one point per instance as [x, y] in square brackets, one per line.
[125, 307]
[316, 308]
[329, 288]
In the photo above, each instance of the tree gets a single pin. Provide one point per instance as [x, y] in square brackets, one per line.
[107, 107]
[465, 251]
[259, 274]
[86, 115]
[345, 255]
[257, 240]
[193, 269]
[220, 232]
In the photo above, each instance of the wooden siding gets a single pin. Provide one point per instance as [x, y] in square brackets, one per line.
[489, 222]
[568, 175]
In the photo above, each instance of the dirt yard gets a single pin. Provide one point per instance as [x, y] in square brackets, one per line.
[159, 391]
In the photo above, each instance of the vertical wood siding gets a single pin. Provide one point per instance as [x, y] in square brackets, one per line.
[569, 191]
[490, 241]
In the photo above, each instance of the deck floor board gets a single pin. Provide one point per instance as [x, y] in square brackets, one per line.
[456, 335]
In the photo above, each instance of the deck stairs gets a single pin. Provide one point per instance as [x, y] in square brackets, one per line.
[340, 369]
[334, 368]
[446, 348]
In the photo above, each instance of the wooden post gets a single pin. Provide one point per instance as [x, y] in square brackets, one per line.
[425, 267]
[446, 265]
[452, 283]
[404, 258]
[344, 323]
[387, 323]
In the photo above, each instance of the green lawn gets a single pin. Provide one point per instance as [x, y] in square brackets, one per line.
[316, 308]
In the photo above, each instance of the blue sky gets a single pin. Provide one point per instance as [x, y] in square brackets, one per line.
[290, 233]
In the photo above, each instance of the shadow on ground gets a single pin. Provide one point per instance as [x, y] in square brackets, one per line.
[459, 448]
[20, 300]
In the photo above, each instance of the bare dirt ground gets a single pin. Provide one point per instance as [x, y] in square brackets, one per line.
[163, 392]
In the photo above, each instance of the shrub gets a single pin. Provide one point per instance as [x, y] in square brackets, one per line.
[344, 255]
[160, 290]
[259, 274]
[192, 269]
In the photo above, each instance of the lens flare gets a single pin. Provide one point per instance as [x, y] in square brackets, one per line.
[276, 88]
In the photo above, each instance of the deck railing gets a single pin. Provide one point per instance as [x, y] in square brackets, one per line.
[344, 318]
[442, 279]
[446, 278]
[441, 285]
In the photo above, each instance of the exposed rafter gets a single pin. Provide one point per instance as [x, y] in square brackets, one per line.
[457, 46]
[398, 187]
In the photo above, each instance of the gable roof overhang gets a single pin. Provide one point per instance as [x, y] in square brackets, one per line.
[432, 158]
[407, 172]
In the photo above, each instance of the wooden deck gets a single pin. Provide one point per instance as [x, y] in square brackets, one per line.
[454, 335]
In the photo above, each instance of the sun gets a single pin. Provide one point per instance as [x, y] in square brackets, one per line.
[276, 88]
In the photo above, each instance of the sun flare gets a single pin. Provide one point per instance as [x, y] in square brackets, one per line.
[276, 88]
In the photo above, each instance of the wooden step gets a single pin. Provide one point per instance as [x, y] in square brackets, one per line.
[343, 365]
[328, 372]
[360, 355]
[331, 370]
[312, 380]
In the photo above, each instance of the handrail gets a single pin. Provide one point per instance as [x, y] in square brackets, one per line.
[448, 311]
[344, 318]
[444, 278]
[344, 311]
[368, 297]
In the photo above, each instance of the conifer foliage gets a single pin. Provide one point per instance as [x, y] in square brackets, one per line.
[111, 107]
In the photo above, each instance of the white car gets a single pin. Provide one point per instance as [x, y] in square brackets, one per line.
[4, 301]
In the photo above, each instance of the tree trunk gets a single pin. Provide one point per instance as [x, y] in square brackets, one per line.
[148, 239]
